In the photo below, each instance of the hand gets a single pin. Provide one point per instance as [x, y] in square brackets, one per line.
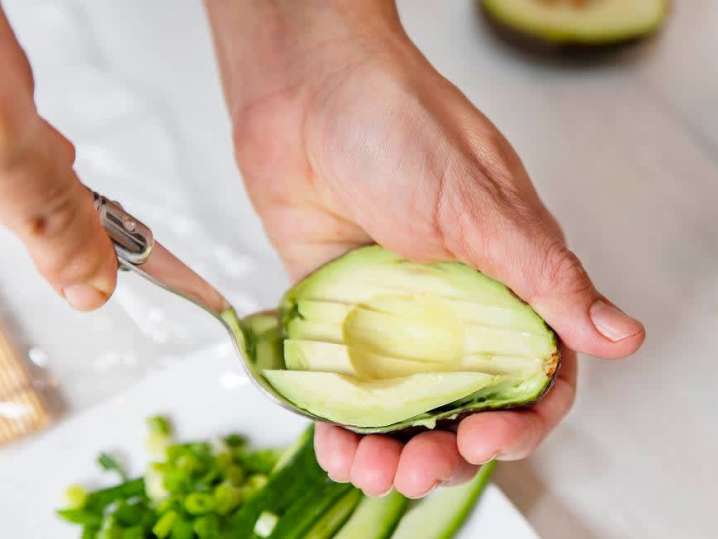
[345, 135]
[41, 199]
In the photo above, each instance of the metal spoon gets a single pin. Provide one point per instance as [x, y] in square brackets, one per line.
[138, 251]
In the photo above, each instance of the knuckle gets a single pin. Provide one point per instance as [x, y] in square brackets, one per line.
[59, 213]
[560, 269]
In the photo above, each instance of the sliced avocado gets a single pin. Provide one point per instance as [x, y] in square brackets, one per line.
[331, 357]
[440, 515]
[375, 518]
[379, 343]
[376, 403]
[582, 22]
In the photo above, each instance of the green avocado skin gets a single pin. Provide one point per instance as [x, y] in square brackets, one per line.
[330, 279]
[538, 37]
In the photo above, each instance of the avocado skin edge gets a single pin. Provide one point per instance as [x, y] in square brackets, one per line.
[570, 49]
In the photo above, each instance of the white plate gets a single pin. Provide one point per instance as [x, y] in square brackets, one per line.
[205, 395]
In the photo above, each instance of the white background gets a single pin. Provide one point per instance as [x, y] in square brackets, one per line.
[625, 153]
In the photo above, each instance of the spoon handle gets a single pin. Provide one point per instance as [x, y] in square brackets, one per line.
[138, 251]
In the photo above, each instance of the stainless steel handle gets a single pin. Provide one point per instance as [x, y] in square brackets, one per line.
[138, 251]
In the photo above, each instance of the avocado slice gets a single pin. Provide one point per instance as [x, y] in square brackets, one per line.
[375, 403]
[379, 343]
[579, 22]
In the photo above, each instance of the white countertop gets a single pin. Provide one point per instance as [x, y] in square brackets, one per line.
[625, 153]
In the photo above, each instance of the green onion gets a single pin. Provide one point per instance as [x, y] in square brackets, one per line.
[207, 527]
[182, 529]
[76, 496]
[159, 424]
[226, 498]
[163, 527]
[110, 464]
[199, 503]
[265, 524]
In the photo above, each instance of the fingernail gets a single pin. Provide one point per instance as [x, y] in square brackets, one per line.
[337, 480]
[385, 494]
[432, 489]
[83, 297]
[494, 456]
[613, 323]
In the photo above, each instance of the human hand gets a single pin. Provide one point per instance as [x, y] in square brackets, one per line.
[346, 135]
[41, 198]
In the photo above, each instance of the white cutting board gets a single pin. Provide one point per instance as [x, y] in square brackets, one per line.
[206, 395]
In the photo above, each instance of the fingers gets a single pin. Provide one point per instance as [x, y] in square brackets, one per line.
[428, 460]
[335, 449]
[512, 238]
[43, 202]
[513, 435]
[375, 463]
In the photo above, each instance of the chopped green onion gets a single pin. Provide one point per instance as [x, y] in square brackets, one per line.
[163, 527]
[199, 503]
[80, 516]
[207, 527]
[159, 424]
[265, 524]
[157, 444]
[257, 482]
[235, 475]
[110, 464]
[76, 496]
[226, 498]
[235, 440]
[154, 482]
[182, 529]
[135, 532]
[258, 461]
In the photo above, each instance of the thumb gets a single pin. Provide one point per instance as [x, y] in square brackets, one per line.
[538, 266]
[44, 203]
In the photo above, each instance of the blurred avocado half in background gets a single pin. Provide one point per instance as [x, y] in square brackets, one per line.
[576, 24]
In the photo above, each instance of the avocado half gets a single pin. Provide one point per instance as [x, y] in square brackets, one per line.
[579, 22]
[378, 343]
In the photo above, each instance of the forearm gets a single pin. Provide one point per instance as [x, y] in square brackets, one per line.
[266, 46]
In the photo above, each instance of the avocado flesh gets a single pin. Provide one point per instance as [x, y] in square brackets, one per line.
[376, 403]
[587, 22]
[379, 343]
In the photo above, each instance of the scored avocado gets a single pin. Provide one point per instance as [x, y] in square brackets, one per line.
[379, 343]
[579, 22]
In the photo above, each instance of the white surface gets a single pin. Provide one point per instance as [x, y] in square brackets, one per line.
[625, 153]
[206, 395]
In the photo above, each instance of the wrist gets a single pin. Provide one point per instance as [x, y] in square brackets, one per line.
[264, 47]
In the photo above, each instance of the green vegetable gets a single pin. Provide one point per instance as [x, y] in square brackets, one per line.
[98, 500]
[109, 463]
[375, 518]
[332, 520]
[305, 511]
[76, 496]
[265, 524]
[596, 22]
[207, 527]
[379, 343]
[163, 527]
[159, 424]
[258, 461]
[285, 496]
[199, 503]
[440, 515]
[227, 497]
[297, 479]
